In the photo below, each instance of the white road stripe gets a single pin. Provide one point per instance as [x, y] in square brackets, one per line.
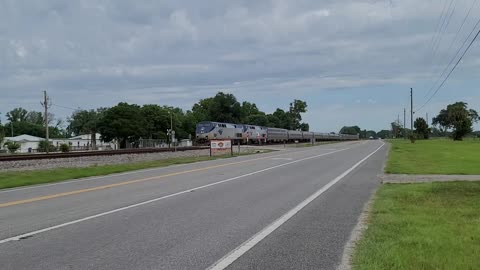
[19, 237]
[250, 243]
[73, 181]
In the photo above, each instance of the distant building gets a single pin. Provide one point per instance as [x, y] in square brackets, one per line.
[30, 143]
[82, 142]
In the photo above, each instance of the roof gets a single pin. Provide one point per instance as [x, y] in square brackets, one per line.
[24, 138]
[84, 137]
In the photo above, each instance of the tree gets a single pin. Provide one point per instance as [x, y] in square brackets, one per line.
[384, 134]
[2, 131]
[257, 119]
[274, 121]
[249, 109]
[36, 118]
[304, 127]
[221, 108]
[370, 133]
[297, 107]
[286, 120]
[123, 122]
[350, 130]
[421, 128]
[86, 122]
[157, 121]
[458, 118]
[397, 129]
[17, 115]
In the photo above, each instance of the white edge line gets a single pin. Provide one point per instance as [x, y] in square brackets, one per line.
[19, 237]
[79, 180]
[250, 243]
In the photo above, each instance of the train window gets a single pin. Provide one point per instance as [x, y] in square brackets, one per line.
[239, 135]
[215, 135]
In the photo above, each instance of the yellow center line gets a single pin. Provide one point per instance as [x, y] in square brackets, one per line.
[68, 193]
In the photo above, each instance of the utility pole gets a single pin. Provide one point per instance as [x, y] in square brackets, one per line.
[46, 105]
[411, 110]
[404, 123]
[11, 127]
[427, 119]
[398, 126]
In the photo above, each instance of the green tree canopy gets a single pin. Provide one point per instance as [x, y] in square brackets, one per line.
[384, 134]
[123, 122]
[458, 118]
[351, 130]
[421, 128]
[17, 115]
[297, 107]
[86, 122]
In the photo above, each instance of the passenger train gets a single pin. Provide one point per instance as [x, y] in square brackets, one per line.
[257, 134]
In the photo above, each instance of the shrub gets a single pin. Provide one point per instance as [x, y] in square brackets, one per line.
[65, 148]
[12, 146]
[413, 137]
[42, 146]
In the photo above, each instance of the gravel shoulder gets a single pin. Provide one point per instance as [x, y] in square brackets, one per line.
[89, 161]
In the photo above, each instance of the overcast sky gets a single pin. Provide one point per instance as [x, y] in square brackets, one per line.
[352, 61]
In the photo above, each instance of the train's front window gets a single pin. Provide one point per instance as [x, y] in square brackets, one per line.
[204, 128]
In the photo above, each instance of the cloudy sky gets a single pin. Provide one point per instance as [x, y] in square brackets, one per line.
[353, 61]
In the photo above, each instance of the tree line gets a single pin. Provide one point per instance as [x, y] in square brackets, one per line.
[455, 121]
[130, 122]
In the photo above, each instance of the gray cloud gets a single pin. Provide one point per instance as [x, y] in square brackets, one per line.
[96, 53]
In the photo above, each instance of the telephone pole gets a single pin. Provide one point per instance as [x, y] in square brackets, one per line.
[404, 123]
[411, 111]
[46, 105]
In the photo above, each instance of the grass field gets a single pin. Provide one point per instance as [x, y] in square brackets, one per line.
[34, 177]
[422, 226]
[437, 156]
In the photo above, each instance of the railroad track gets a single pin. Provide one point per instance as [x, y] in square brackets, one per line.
[96, 153]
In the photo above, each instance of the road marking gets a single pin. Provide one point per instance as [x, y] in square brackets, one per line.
[250, 243]
[18, 237]
[140, 171]
[282, 158]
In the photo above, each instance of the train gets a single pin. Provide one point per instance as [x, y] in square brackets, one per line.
[244, 133]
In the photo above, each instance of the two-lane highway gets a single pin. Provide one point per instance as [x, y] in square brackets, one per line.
[290, 209]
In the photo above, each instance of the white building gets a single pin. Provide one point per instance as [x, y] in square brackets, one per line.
[30, 143]
[82, 142]
[27, 143]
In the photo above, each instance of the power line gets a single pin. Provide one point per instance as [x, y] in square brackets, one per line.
[65, 107]
[437, 28]
[451, 45]
[446, 22]
[451, 71]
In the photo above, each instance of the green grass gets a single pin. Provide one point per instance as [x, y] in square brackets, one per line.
[25, 178]
[422, 226]
[437, 156]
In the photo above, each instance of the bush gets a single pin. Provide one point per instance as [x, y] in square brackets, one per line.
[413, 138]
[42, 146]
[65, 148]
[12, 146]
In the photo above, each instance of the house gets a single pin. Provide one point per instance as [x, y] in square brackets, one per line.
[82, 142]
[28, 143]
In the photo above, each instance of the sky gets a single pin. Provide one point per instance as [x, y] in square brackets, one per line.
[353, 61]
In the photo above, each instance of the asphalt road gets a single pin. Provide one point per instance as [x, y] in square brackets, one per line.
[291, 209]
